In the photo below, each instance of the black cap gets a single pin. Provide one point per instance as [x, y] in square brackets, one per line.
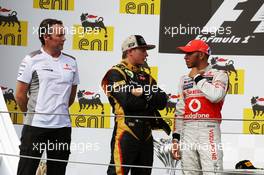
[245, 164]
[135, 41]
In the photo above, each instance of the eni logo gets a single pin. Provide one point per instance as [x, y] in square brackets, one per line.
[15, 113]
[236, 76]
[253, 122]
[54, 4]
[13, 31]
[89, 111]
[146, 7]
[93, 34]
[171, 104]
[168, 112]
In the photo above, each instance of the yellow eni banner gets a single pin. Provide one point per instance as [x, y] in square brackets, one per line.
[236, 80]
[256, 123]
[98, 38]
[168, 115]
[54, 4]
[15, 34]
[13, 109]
[90, 115]
[154, 72]
[146, 7]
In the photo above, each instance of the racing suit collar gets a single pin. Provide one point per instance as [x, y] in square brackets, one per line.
[207, 68]
[130, 66]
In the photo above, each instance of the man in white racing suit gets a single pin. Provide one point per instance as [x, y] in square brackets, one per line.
[198, 113]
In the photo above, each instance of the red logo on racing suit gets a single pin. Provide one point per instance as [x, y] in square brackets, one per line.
[212, 145]
[195, 105]
[67, 67]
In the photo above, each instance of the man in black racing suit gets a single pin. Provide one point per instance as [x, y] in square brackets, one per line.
[135, 99]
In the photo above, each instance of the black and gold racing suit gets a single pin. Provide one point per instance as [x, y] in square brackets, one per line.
[132, 142]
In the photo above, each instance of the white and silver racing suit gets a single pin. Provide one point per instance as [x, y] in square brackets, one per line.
[198, 118]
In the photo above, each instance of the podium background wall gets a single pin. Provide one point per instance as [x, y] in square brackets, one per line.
[123, 18]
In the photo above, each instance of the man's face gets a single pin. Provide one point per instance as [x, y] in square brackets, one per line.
[138, 55]
[192, 59]
[55, 38]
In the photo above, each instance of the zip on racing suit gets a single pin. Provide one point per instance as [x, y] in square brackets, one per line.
[132, 142]
[198, 118]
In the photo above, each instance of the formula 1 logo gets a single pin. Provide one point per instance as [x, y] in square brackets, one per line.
[228, 12]
[230, 27]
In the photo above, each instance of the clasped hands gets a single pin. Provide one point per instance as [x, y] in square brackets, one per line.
[175, 150]
[137, 91]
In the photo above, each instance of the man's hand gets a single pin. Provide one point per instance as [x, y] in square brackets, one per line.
[195, 71]
[175, 150]
[137, 91]
[21, 95]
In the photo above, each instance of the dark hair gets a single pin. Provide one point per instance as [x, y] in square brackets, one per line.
[206, 56]
[45, 26]
[124, 54]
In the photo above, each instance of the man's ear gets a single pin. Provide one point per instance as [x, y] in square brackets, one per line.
[129, 51]
[201, 55]
[46, 36]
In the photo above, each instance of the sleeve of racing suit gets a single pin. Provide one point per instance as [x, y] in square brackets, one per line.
[179, 112]
[216, 90]
[160, 98]
[121, 92]
[157, 99]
